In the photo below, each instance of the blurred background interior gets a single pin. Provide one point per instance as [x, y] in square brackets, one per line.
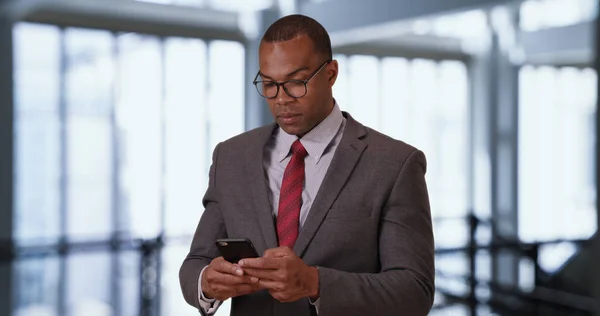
[110, 110]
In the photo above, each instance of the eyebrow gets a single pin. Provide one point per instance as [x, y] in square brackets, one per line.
[288, 75]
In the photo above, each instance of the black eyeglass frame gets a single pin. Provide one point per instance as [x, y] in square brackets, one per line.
[255, 82]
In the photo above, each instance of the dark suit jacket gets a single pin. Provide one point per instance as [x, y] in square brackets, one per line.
[369, 229]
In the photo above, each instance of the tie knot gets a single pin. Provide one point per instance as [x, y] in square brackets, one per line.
[298, 150]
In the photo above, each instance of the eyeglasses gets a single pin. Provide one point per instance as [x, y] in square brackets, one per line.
[294, 88]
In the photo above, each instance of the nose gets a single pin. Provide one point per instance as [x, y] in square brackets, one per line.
[282, 97]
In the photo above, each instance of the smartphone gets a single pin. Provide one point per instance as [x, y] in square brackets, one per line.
[236, 249]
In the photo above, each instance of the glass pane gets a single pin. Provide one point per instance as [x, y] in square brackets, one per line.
[90, 181]
[89, 293]
[540, 14]
[483, 265]
[89, 86]
[172, 302]
[226, 81]
[158, 1]
[455, 310]
[340, 88]
[423, 122]
[240, 5]
[452, 285]
[139, 121]
[178, 2]
[485, 310]
[453, 264]
[557, 105]
[453, 130]
[128, 299]
[530, 193]
[483, 234]
[229, 5]
[34, 71]
[197, 3]
[469, 25]
[364, 92]
[482, 186]
[526, 274]
[424, 88]
[37, 141]
[186, 140]
[395, 100]
[451, 233]
[36, 287]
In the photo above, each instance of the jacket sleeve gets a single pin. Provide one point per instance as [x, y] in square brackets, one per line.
[405, 284]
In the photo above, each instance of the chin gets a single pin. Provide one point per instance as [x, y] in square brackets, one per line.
[292, 130]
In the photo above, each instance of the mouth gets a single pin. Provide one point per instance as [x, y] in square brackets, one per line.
[288, 118]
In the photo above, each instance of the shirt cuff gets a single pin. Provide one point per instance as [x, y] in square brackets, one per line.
[208, 305]
[316, 302]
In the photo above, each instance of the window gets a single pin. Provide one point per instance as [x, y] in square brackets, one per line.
[37, 133]
[541, 14]
[112, 154]
[88, 293]
[89, 144]
[187, 157]
[556, 153]
[138, 112]
[225, 5]
[36, 282]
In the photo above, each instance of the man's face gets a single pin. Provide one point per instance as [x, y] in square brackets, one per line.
[295, 60]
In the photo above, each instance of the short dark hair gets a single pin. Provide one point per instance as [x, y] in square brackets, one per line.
[291, 26]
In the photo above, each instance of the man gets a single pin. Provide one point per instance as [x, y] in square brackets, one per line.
[339, 212]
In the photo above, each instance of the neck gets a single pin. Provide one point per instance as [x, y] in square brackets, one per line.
[327, 113]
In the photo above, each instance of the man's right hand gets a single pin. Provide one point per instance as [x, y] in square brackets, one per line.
[222, 280]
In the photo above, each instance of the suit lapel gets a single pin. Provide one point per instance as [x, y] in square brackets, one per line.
[258, 185]
[347, 155]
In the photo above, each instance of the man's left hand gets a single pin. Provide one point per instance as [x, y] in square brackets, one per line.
[284, 274]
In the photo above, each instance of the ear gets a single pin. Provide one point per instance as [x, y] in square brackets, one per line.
[332, 72]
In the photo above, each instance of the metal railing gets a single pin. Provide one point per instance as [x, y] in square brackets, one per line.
[504, 299]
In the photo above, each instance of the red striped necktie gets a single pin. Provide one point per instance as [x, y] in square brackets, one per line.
[290, 197]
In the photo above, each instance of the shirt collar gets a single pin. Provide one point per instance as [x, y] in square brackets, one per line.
[315, 141]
